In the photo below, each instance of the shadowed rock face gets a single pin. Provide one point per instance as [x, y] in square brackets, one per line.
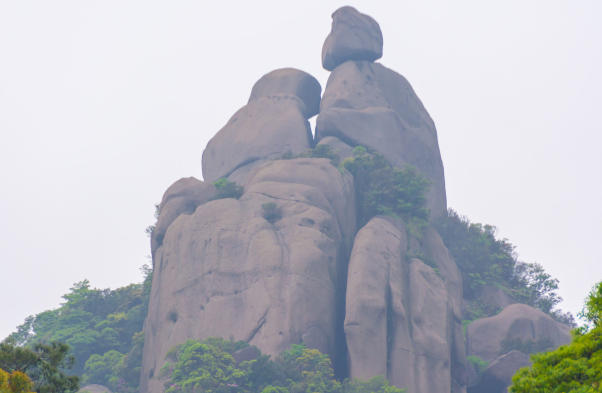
[483, 337]
[224, 270]
[402, 321]
[370, 105]
[498, 376]
[354, 36]
[182, 197]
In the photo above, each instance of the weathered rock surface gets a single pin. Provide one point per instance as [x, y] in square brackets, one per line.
[182, 197]
[401, 321]
[269, 125]
[290, 81]
[246, 354]
[370, 105]
[224, 270]
[498, 376]
[343, 149]
[93, 388]
[354, 36]
[483, 337]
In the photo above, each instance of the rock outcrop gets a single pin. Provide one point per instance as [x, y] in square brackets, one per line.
[354, 36]
[272, 123]
[182, 197]
[483, 337]
[370, 105]
[93, 388]
[225, 270]
[402, 321]
[498, 375]
[379, 302]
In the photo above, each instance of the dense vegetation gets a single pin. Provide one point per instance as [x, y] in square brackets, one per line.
[576, 367]
[103, 329]
[485, 260]
[209, 366]
[386, 190]
[41, 368]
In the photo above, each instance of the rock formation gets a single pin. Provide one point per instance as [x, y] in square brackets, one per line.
[498, 375]
[384, 300]
[483, 337]
[94, 389]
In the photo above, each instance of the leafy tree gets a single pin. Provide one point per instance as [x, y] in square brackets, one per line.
[209, 366]
[101, 369]
[592, 310]
[383, 189]
[44, 365]
[484, 259]
[227, 189]
[573, 368]
[95, 323]
[16, 382]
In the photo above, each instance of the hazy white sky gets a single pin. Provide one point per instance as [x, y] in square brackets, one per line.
[103, 105]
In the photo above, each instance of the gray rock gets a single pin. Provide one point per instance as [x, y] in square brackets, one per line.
[498, 376]
[93, 388]
[246, 354]
[400, 318]
[472, 378]
[264, 129]
[367, 104]
[224, 270]
[483, 337]
[316, 338]
[343, 149]
[354, 36]
[290, 81]
[496, 298]
[182, 197]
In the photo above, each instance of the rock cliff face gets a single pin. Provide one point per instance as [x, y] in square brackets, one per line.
[379, 301]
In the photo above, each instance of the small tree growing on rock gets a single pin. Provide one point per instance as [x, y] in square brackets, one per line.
[272, 212]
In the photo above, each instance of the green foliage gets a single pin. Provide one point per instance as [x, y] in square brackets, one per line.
[151, 228]
[385, 190]
[483, 259]
[46, 365]
[15, 382]
[272, 212]
[97, 325]
[573, 368]
[478, 364]
[322, 151]
[528, 347]
[209, 366]
[227, 189]
[592, 310]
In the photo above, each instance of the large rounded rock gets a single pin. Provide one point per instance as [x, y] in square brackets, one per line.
[182, 197]
[224, 270]
[367, 104]
[483, 337]
[354, 36]
[401, 319]
[498, 376]
[94, 388]
[290, 81]
[262, 130]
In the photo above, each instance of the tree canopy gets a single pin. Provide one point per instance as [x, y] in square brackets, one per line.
[572, 368]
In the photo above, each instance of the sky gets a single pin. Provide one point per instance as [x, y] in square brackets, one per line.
[103, 105]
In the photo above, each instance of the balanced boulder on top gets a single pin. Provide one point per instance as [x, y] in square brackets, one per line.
[354, 36]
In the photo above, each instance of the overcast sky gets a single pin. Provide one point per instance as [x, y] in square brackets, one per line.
[103, 105]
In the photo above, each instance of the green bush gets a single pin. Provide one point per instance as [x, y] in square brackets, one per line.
[573, 368]
[383, 189]
[196, 366]
[478, 364]
[320, 151]
[272, 212]
[227, 189]
[484, 259]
